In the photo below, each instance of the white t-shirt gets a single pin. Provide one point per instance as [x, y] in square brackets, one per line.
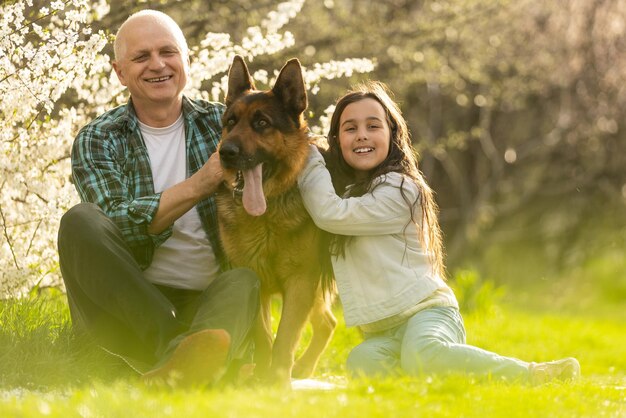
[186, 259]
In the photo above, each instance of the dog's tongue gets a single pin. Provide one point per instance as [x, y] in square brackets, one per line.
[253, 198]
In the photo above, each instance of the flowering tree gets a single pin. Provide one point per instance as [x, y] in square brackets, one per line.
[43, 54]
[53, 80]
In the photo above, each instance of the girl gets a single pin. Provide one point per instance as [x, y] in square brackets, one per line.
[387, 252]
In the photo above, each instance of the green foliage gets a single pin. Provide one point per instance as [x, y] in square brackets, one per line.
[475, 294]
[570, 261]
[607, 273]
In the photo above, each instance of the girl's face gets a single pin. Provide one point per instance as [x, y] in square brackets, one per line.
[364, 135]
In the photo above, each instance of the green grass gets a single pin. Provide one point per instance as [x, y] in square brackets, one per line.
[46, 371]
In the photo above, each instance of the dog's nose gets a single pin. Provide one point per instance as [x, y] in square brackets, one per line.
[229, 151]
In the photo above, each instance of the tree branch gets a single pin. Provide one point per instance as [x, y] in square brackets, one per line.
[6, 234]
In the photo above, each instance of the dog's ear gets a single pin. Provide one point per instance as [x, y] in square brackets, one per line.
[289, 87]
[239, 80]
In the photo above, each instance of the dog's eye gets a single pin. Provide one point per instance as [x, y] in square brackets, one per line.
[262, 123]
[231, 122]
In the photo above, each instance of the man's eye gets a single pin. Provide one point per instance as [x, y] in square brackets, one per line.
[140, 58]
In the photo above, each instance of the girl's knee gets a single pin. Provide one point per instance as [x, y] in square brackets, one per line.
[370, 361]
[357, 357]
[359, 362]
[422, 356]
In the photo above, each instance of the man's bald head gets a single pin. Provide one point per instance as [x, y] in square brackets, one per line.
[143, 16]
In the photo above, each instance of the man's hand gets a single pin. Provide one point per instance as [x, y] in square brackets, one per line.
[208, 178]
[180, 198]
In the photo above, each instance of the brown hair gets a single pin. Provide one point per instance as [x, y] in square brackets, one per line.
[402, 158]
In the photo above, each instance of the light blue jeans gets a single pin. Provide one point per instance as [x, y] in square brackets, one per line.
[431, 341]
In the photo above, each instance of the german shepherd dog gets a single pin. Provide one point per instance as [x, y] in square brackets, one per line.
[263, 223]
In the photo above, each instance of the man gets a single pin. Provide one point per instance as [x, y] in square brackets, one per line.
[140, 257]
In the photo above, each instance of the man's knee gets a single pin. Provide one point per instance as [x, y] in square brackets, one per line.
[242, 278]
[86, 229]
[78, 219]
[240, 286]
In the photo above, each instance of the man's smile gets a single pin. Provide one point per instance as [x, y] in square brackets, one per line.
[158, 79]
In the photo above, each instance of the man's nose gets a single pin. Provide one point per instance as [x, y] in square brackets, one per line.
[156, 62]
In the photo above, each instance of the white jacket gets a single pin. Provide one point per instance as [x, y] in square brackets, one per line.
[385, 271]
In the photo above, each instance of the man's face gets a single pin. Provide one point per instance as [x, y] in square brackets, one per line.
[153, 64]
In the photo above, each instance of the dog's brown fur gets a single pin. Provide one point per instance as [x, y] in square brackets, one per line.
[282, 244]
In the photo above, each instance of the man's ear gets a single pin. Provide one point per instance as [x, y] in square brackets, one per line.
[187, 68]
[239, 80]
[289, 87]
[118, 70]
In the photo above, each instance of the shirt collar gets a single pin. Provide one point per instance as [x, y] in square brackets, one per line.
[191, 110]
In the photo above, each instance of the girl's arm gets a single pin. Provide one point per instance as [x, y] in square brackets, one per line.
[382, 211]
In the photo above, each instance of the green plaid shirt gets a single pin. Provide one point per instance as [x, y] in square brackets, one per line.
[111, 168]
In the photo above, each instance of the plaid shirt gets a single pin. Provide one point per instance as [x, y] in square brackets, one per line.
[111, 168]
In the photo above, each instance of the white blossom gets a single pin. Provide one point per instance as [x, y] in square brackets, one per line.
[57, 5]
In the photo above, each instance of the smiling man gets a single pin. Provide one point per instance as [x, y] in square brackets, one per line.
[140, 256]
[151, 59]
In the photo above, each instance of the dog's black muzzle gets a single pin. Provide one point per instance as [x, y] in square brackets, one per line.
[231, 156]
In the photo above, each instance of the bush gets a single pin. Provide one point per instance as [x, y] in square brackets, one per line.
[475, 295]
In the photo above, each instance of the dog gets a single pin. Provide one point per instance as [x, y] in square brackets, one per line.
[263, 223]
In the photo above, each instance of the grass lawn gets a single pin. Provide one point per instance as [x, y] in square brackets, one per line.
[44, 371]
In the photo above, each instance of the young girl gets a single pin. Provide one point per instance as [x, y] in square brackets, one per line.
[387, 252]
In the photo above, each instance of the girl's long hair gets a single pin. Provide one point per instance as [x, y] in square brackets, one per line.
[402, 158]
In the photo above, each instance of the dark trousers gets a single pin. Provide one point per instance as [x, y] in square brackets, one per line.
[110, 299]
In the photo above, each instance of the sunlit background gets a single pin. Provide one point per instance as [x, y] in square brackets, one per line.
[516, 109]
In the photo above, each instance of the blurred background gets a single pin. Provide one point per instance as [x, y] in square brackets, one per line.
[517, 109]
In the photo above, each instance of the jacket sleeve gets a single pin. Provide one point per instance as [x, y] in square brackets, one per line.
[380, 212]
